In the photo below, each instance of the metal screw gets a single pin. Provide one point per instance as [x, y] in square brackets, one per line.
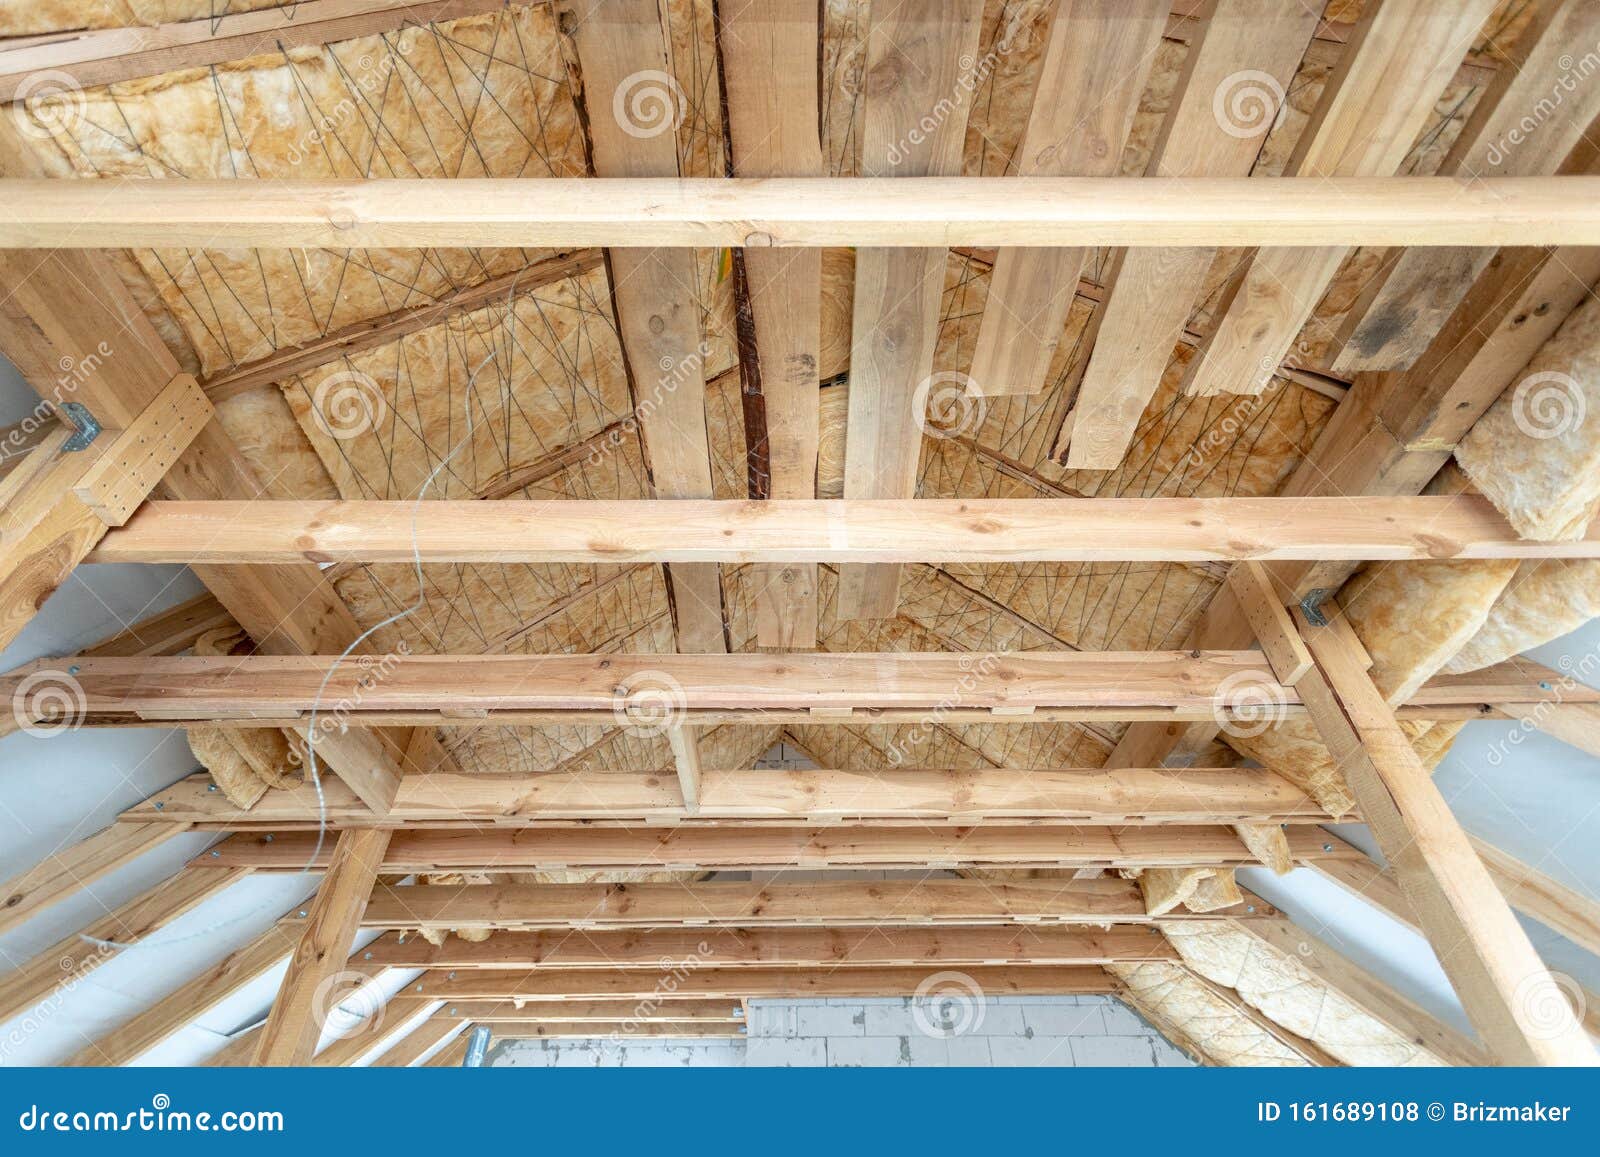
[1543, 686]
[452, 976]
[419, 988]
[216, 855]
[302, 913]
[73, 670]
[454, 1011]
[159, 805]
[1249, 907]
[267, 838]
[1327, 847]
[211, 787]
[366, 956]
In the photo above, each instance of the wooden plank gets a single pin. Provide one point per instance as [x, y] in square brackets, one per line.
[66, 872]
[1288, 528]
[293, 1027]
[1096, 60]
[777, 947]
[1552, 903]
[756, 983]
[1263, 607]
[1244, 55]
[1526, 124]
[129, 1041]
[65, 964]
[748, 847]
[1400, 59]
[1366, 992]
[361, 759]
[1128, 796]
[621, 44]
[411, 1047]
[240, 1051]
[739, 904]
[1480, 945]
[108, 55]
[170, 631]
[914, 63]
[579, 1012]
[685, 745]
[770, 71]
[1576, 724]
[620, 1030]
[906, 212]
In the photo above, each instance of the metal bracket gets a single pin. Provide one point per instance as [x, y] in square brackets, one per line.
[1312, 606]
[78, 415]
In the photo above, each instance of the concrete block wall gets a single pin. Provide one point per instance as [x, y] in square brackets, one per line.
[1061, 1031]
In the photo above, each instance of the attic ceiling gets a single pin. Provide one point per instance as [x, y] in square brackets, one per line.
[504, 374]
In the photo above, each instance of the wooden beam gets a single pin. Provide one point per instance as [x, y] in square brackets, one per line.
[1243, 55]
[580, 1012]
[876, 212]
[748, 847]
[126, 1043]
[410, 1048]
[620, 1030]
[654, 290]
[64, 965]
[1263, 608]
[840, 532]
[1399, 61]
[168, 632]
[63, 497]
[1558, 907]
[916, 59]
[777, 947]
[1377, 999]
[66, 872]
[451, 1056]
[108, 55]
[1526, 124]
[685, 743]
[396, 1019]
[293, 1026]
[1480, 945]
[770, 70]
[271, 691]
[1096, 60]
[1126, 796]
[240, 1051]
[738, 904]
[1575, 724]
[755, 983]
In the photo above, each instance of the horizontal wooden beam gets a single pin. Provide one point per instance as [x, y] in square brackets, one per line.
[569, 213]
[479, 690]
[619, 1030]
[579, 1012]
[745, 905]
[837, 531]
[749, 846]
[776, 948]
[586, 984]
[915, 796]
